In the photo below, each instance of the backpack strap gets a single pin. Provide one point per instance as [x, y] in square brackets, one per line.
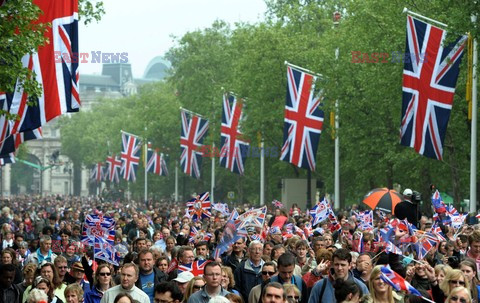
[322, 291]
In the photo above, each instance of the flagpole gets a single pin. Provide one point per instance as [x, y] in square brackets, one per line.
[336, 205]
[130, 134]
[212, 186]
[473, 147]
[176, 181]
[262, 173]
[190, 112]
[303, 69]
[406, 10]
[145, 193]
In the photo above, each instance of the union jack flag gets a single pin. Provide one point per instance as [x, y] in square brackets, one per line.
[397, 282]
[97, 172]
[425, 244]
[303, 120]
[131, 147]
[12, 142]
[104, 251]
[357, 242]
[113, 166]
[234, 148]
[277, 204]
[334, 224]
[320, 211]
[194, 129]
[199, 207]
[54, 67]
[98, 227]
[195, 234]
[254, 217]
[391, 248]
[438, 203]
[196, 268]
[437, 231]
[366, 220]
[222, 208]
[429, 79]
[156, 163]
[8, 159]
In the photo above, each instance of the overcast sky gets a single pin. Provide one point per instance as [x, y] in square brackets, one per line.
[143, 28]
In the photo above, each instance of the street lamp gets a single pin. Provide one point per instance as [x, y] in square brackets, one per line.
[68, 169]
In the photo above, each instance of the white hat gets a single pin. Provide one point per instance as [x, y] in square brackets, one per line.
[184, 277]
[407, 192]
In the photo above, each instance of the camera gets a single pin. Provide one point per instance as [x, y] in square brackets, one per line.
[453, 261]
[416, 197]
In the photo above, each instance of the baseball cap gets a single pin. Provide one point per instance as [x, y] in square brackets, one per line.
[184, 277]
[407, 192]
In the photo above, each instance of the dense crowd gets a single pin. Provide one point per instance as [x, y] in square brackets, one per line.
[44, 260]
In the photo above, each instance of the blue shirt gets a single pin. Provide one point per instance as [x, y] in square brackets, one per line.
[148, 284]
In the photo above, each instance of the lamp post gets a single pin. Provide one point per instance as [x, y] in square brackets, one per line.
[68, 169]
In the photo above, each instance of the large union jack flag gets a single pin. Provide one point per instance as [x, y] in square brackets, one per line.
[199, 207]
[233, 148]
[156, 163]
[429, 77]
[98, 228]
[54, 67]
[196, 268]
[104, 251]
[253, 217]
[113, 166]
[131, 148]
[194, 129]
[303, 120]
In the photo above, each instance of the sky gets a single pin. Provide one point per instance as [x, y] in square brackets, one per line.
[143, 29]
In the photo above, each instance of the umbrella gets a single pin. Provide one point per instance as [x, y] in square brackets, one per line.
[383, 199]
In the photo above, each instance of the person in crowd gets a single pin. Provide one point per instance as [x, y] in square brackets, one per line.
[102, 282]
[273, 292]
[8, 256]
[228, 281]
[237, 256]
[9, 291]
[381, 291]
[22, 253]
[363, 267]
[182, 280]
[347, 291]
[74, 293]
[247, 274]
[194, 285]
[185, 256]
[459, 294]
[167, 292]
[124, 297]
[441, 271]
[47, 286]
[277, 251]
[201, 250]
[162, 263]
[339, 270]
[454, 278]
[286, 267]
[279, 219]
[292, 292]
[323, 258]
[149, 275]
[213, 287]
[43, 253]
[303, 260]
[269, 270]
[170, 243]
[234, 298]
[37, 296]
[469, 269]
[128, 276]
[28, 277]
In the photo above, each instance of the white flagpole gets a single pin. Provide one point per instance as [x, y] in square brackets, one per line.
[212, 186]
[473, 147]
[303, 69]
[406, 10]
[336, 205]
[176, 181]
[146, 175]
[262, 173]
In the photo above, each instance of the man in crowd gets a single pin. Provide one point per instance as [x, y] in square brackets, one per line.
[184, 256]
[167, 292]
[78, 273]
[43, 253]
[201, 249]
[182, 280]
[269, 270]
[340, 270]
[150, 276]
[213, 277]
[247, 274]
[128, 276]
[286, 266]
[274, 293]
[237, 256]
[363, 268]
[8, 291]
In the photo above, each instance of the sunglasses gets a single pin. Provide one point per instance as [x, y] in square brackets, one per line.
[197, 287]
[457, 282]
[270, 273]
[296, 298]
[455, 298]
[105, 274]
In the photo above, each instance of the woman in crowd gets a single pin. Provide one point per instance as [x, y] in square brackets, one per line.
[441, 271]
[469, 269]
[234, 298]
[10, 257]
[381, 292]
[28, 276]
[292, 292]
[123, 298]
[74, 293]
[169, 246]
[162, 263]
[454, 278]
[228, 282]
[459, 294]
[47, 286]
[279, 219]
[103, 281]
[193, 286]
[347, 291]
[37, 296]
[49, 271]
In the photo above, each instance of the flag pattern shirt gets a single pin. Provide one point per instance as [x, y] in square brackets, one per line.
[303, 120]
[429, 78]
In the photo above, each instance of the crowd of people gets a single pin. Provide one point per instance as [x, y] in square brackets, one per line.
[43, 258]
